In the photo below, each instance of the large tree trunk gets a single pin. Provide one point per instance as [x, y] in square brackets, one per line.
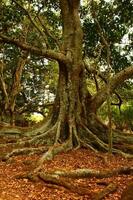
[69, 101]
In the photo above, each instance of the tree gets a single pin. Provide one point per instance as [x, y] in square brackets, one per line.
[74, 121]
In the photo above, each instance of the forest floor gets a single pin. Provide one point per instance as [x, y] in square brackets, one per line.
[12, 188]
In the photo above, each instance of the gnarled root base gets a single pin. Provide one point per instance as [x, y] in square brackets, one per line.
[78, 135]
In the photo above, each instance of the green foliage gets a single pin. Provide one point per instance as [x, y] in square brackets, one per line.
[123, 118]
[115, 19]
[128, 111]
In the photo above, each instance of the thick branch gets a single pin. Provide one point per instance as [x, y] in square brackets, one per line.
[115, 81]
[102, 77]
[50, 54]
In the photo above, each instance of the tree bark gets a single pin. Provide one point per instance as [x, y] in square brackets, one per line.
[77, 189]
[90, 173]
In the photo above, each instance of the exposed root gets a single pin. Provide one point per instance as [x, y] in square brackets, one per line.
[55, 179]
[40, 138]
[27, 142]
[54, 150]
[107, 190]
[104, 145]
[90, 173]
[85, 143]
[64, 179]
[24, 131]
[75, 134]
[57, 137]
[122, 137]
[10, 130]
[24, 151]
[57, 148]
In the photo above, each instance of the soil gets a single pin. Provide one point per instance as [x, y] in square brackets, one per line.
[12, 188]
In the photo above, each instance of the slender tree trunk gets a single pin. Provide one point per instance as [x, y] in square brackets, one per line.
[16, 85]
